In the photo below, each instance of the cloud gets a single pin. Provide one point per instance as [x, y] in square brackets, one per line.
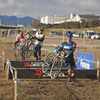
[6, 3]
[10, 2]
[39, 8]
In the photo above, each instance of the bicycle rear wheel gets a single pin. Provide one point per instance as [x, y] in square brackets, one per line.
[47, 62]
[56, 67]
[29, 50]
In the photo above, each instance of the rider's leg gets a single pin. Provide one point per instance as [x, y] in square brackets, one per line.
[69, 74]
[39, 51]
[73, 66]
[35, 52]
[23, 55]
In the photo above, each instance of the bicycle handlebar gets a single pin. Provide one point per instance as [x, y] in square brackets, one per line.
[28, 34]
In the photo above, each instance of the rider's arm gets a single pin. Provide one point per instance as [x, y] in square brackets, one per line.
[16, 42]
[41, 39]
[60, 49]
[74, 47]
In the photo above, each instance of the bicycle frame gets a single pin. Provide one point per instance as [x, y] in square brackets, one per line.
[19, 52]
[57, 65]
[48, 61]
[29, 45]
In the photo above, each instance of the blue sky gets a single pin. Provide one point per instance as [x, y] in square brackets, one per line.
[40, 8]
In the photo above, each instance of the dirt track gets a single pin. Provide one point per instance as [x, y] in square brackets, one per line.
[50, 90]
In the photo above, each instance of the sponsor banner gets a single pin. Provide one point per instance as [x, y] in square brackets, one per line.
[34, 72]
[38, 74]
[85, 61]
[63, 73]
[27, 64]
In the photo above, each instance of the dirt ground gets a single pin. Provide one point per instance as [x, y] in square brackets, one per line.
[50, 90]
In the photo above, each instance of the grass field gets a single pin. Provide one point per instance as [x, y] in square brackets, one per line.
[50, 90]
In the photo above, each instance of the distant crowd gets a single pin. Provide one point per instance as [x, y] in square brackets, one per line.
[5, 33]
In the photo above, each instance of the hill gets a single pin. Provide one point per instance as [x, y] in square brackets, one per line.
[26, 21]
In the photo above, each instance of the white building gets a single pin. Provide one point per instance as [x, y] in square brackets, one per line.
[60, 19]
[53, 19]
[75, 18]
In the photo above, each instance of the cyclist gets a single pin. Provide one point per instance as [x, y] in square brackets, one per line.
[21, 40]
[39, 36]
[18, 35]
[69, 47]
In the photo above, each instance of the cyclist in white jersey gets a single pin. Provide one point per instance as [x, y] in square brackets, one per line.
[39, 43]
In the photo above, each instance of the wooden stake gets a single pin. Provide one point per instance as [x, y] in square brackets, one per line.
[3, 63]
[7, 74]
[15, 86]
[98, 72]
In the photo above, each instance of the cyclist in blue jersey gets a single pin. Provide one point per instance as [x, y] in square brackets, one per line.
[69, 47]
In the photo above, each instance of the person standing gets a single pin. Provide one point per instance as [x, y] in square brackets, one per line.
[3, 32]
[39, 36]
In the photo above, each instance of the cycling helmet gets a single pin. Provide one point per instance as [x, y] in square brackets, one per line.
[69, 34]
[21, 33]
[41, 28]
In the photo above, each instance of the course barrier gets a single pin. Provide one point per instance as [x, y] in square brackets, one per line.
[32, 70]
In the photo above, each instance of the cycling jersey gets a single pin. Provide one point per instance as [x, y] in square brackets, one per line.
[21, 39]
[69, 48]
[39, 39]
[17, 37]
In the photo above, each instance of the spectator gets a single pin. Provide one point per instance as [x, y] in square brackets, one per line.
[3, 32]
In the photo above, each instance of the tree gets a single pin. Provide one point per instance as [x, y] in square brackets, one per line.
[84, 24]
[74, 25]
[35, 23]
[94, 23]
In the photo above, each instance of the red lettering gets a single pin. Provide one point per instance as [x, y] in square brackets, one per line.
[26, 64]
[38, 73]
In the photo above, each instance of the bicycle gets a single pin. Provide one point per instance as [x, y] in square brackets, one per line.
[58, 63]
[24, 49]
[29, 45]
[49, 60]
[19, 51]
[54, 62]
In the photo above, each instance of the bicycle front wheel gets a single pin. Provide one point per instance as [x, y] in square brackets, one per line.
[47, 62]
[56, 67]
[29, 50]
[17, 54]
[23, 55]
